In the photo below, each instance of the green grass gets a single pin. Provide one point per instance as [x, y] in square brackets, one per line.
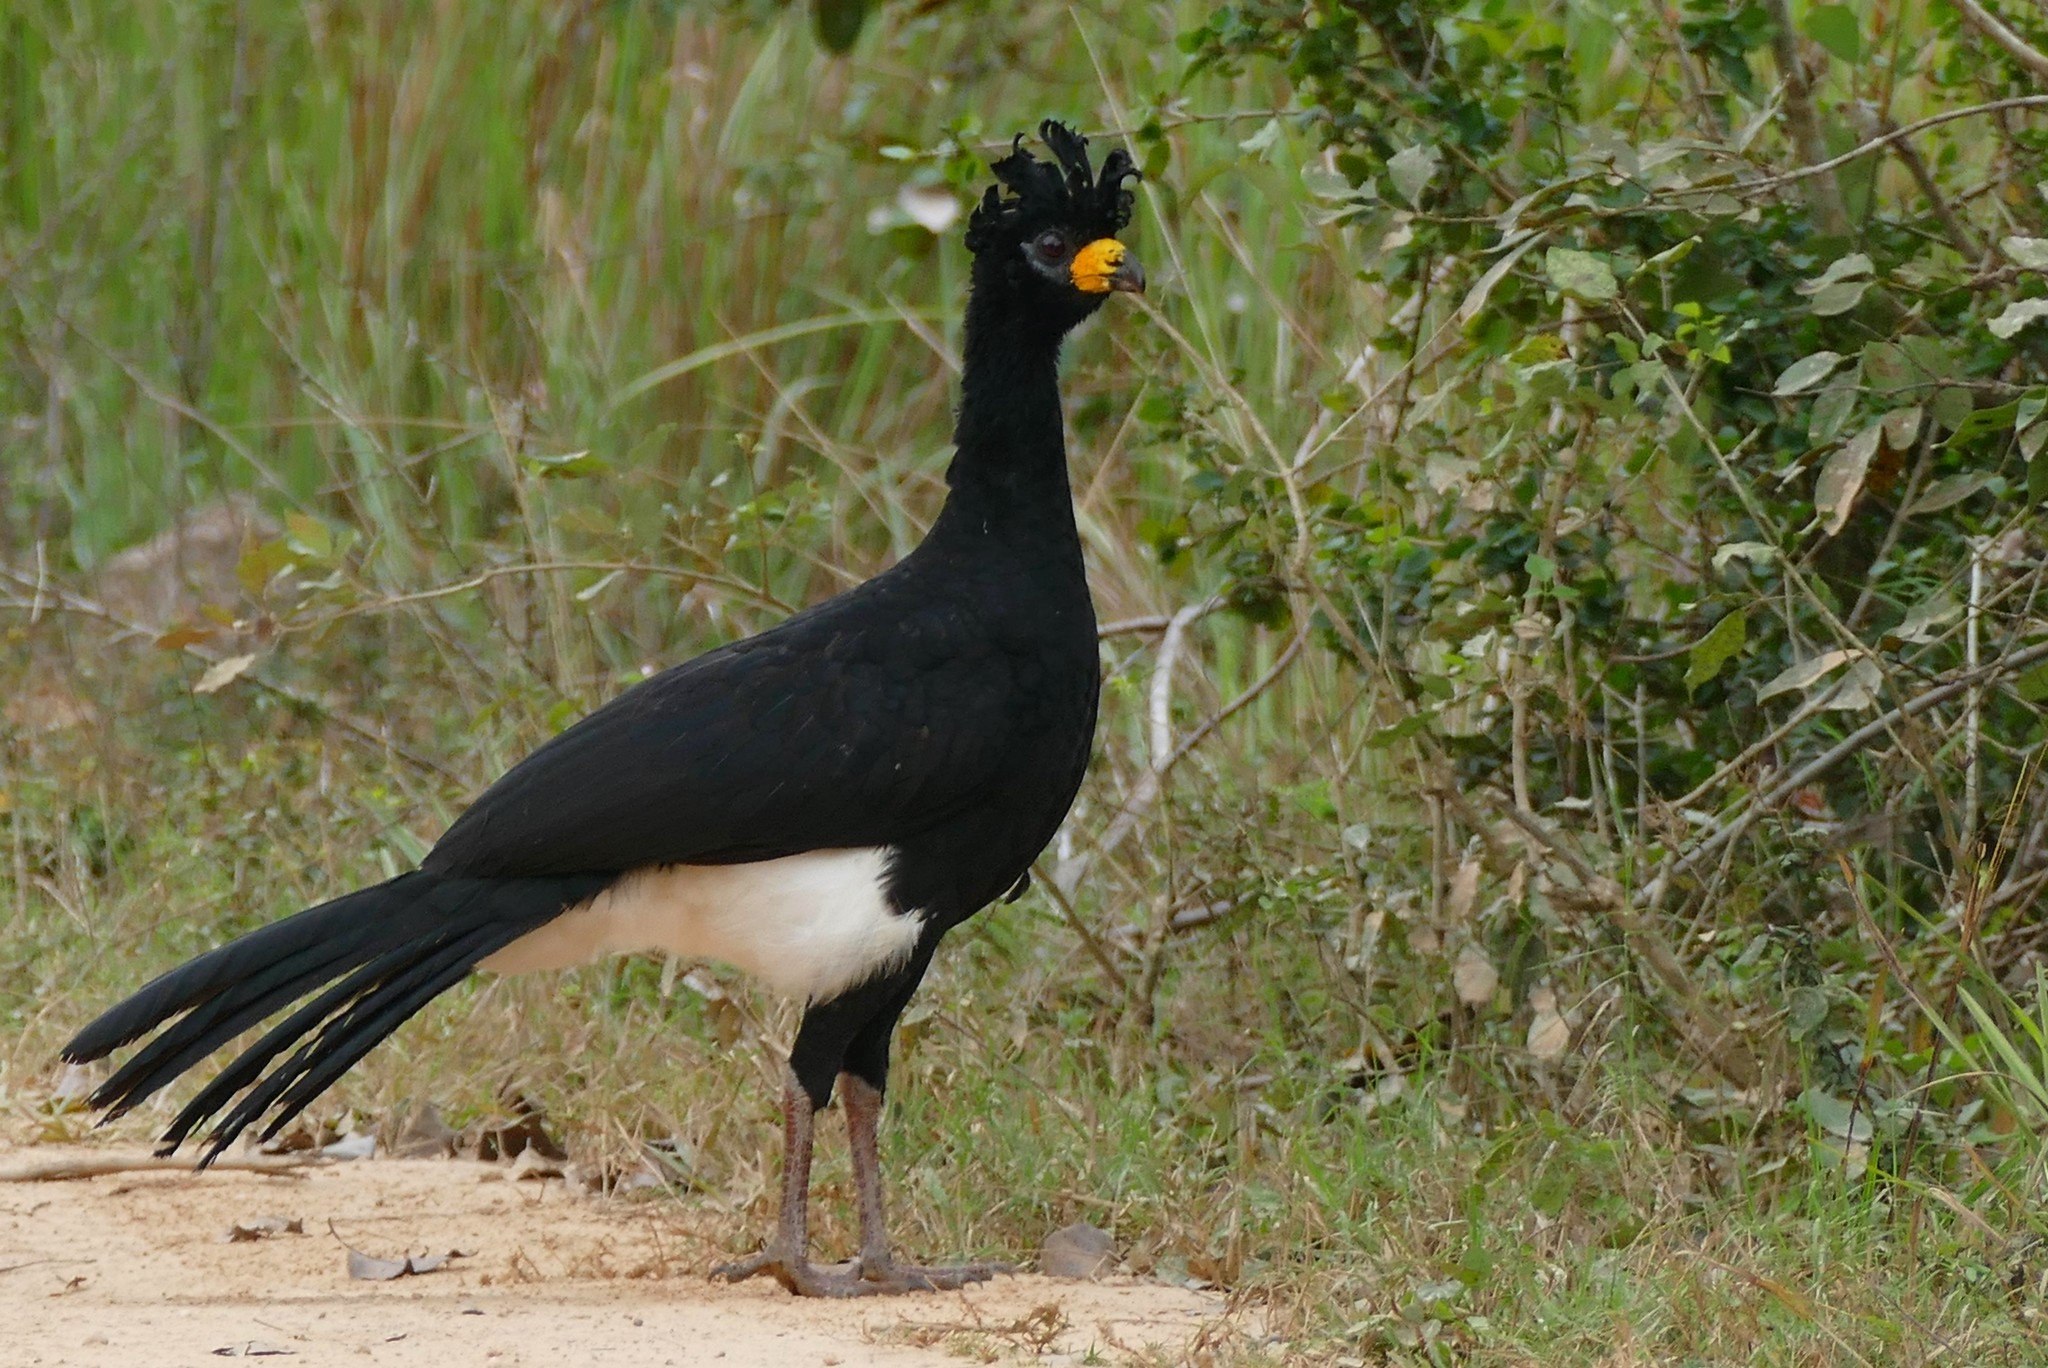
[378, 268]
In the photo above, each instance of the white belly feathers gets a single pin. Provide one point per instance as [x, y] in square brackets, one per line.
[808, 925]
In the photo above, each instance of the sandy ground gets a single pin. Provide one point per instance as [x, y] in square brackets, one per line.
[133, 1270]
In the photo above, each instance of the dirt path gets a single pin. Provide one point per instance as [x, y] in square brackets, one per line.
[132, 1271]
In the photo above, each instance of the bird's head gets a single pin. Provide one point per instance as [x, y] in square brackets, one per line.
[1044, 239]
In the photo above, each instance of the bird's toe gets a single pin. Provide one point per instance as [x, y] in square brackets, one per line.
[799, 1276]
[894, 1277]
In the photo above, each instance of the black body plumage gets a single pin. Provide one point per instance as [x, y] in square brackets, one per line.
[943, 710]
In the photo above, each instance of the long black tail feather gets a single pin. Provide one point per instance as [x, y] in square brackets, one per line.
[386, 951]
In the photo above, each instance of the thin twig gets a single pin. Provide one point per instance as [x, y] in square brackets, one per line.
[1973, 716]
[483, 577]
[1076, 923]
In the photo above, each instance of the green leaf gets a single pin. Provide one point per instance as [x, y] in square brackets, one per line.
[1400, 731]
[1538, 349]
[1325, 183]
[1806, 1011]
[309, 536]
[1264, 139]
[1924, 619]
[1838, 297]
[1851, 267]
[1857, 688]
[1755, 552]
[1670, 256]
[1901, 426]
[1949, 492]
[1716, 649]
[1644, 378]
[1412, 169]
[1836, 1116]
[1804, 674]
[1834, 28]
[1552, 1190]
[1831, 413]
[573, 465]
[1982, 420]
[1934, 358]
[2029, 252]
[1952, 407]
[2017, 315]
[838, 22]
[1580, 274]
[262, 563]
[2033, 685]
[2029, 411]
[1807, 372]
[1841, 479]
[1885, 366]
[1160, 406]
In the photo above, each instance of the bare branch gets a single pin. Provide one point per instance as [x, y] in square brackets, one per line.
[1157, 622]
[483, 577]
[1904, 131]
[1848, 746]
[46, 596]
[1823, 193]
[64, 1168]
[1703, 1026]
[1994, 28]
[1146, 791]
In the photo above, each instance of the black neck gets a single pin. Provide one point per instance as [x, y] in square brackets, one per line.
[1010, 460]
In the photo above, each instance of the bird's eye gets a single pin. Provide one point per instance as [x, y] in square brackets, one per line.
[1052, 246]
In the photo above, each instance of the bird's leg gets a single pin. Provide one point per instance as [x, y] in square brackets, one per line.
[879, 1271]
[787, 1255]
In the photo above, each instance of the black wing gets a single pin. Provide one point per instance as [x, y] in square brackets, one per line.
[859, 723]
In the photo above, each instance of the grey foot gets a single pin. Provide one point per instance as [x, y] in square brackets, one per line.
[890, 1276]
[806, 1279]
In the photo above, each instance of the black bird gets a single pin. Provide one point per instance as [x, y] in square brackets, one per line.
[817, 805]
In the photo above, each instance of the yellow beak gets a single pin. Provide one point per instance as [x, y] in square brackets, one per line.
[1106, 264]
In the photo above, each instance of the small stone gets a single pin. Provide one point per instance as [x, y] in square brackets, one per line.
[420, 1133]
[531, 1165]
[359, 1146]
[1077, 1251]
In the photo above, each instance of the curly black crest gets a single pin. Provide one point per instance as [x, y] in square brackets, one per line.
[1064, 191]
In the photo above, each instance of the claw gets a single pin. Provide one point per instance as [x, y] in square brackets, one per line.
[769, 1261]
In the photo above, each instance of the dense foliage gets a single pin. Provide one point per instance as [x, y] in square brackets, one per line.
[1702, 462]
